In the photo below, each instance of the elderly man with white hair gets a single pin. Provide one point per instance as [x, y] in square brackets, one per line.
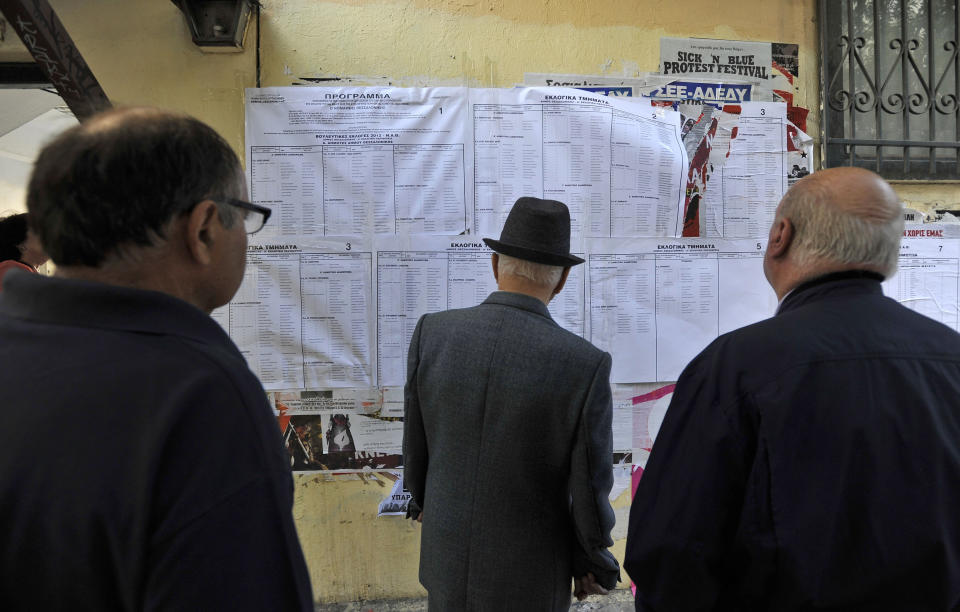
[811, 461]
[507, 436]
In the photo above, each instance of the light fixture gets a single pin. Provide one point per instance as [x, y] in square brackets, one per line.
[217, 25]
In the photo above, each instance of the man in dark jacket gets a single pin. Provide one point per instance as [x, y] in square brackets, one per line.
[141, 467]
[811, 461]
[507, 436]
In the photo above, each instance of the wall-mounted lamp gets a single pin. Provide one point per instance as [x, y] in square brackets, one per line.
[217, 25]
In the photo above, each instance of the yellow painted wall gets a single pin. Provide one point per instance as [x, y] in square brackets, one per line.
[141, 52]
[486, 44]
[928, 197]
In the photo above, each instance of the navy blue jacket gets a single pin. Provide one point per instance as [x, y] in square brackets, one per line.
[808, 462]
[140, 465]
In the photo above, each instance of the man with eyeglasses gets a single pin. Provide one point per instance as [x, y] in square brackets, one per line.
[140, 464]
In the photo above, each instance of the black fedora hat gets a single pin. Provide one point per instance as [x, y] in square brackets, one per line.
[537, 230]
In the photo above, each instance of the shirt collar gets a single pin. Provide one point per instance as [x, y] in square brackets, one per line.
[79, 303]
[519, 300]
[801, 294]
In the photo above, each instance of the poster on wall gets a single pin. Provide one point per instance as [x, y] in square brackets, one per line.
[360, 160]
[706, 90]
[396, 503]
[303, 315]
[650, 406]
[623, 87]
[754, 171]
[358, 250]
[328, 312]
[654, 304]
[715, 57]
[421, 275]
[615, 162]
[928, 270]
[446, 161]
[324, 431]
[709, 109]
[799, 154]
[776, 66]
[365, 186]
[714, 90]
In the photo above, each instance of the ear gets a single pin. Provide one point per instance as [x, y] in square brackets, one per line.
[563, 281]
[781, 237]
[202, 227]
[495, 262]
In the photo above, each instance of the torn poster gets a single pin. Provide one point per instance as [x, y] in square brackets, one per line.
[361, 401]
[662, 88]
[702, 104]
[577, 81]
[754, 176]
[799, 154]
[395, 504]
[615, 162]
[334, 437]
[701, 101]
[623, 417]
[621, 479]
[649, 409]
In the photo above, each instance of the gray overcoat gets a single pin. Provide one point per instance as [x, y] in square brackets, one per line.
[507, 448]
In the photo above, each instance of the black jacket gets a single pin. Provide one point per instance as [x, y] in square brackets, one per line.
[808, 462]
[141, 467]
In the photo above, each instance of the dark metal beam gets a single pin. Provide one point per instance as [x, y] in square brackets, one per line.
[895, 143]
[52, 48]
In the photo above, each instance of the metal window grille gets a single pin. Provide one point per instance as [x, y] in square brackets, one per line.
[890, 80]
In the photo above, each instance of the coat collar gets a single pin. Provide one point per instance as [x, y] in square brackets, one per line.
[76, 303]
[519, 300]
[846, 282]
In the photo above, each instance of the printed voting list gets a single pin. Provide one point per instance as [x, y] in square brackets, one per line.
[926, 277]
[420, 275]
[354, 161]
[655, 304]
[617, 164]
[753, 179]
[302, 316]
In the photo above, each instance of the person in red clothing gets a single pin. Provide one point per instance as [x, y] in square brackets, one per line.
[19, 247]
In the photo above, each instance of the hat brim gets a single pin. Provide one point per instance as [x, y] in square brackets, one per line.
[550, 259]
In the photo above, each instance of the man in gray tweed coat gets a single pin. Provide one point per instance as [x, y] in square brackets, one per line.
[507, 436]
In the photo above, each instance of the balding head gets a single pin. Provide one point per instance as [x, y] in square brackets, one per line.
[143, 198]
[835, 219]
[114, 182]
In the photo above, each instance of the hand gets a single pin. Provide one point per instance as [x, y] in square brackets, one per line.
[419, 518]
[587, 585]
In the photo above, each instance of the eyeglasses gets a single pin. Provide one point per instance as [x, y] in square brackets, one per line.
[254, 215]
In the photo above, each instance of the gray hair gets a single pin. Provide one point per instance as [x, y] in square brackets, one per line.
[537, 273]
[825, 233]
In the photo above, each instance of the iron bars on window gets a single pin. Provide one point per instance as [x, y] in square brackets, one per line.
[890, 80]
